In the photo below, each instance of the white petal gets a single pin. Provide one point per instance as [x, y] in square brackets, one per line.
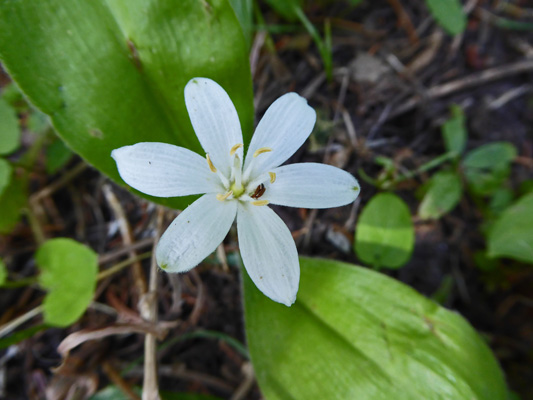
[268, 252]
[215, 121]
[312, 185]
[164, 170]
[195, 233]
[286, 125]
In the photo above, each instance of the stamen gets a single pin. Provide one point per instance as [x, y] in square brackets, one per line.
[222, 197]
[272, 177]
[262, 150]
[210, 163]
[235, 148]
[237, 172]
[260, 202]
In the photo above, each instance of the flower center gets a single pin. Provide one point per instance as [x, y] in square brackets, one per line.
[242, 188]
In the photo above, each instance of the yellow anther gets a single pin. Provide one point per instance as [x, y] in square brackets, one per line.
[235, 148]
[260, 202]
[210, 163]
[222, 197]
[272, 177]
[262, 150]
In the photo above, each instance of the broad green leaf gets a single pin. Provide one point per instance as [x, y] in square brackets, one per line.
[68, 273]
[6, 172]
[3, 272]
[356, 334]
[112, 73]
[385, 233]
[449, 14]
[244, 11]
[443, 194]
[11, 203]
[487, 167]
[57, 155]
[9, 127]
[512, 234]
[454, 131]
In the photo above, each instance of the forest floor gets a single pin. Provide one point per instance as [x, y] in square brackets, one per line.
[395, 76]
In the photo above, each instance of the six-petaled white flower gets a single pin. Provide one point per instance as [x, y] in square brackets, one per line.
[236, 190]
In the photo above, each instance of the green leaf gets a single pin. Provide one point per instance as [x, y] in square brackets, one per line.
[512, 234]
[244, 11]
[6, 172]
[443, 194]
[449, 14]
[19, 336]
[454, 131]
[186, 396]
[487, 167]
[356, 334]
[112, 73]
[11, 203]
[286, 8]
[57, 156]
[68, 273]
[500, 200]
[3, 272]
[114, 393]
[9, 128]
[385, 233]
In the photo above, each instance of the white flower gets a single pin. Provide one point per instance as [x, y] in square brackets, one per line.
[236, 191]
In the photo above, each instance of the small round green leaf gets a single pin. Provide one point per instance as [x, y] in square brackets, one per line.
[9, 128]
[487, 167]
[512, 234]
[385, 234]
[454, 131]
[449, 14]
[356, 334]
[68, 273]
[443, 193]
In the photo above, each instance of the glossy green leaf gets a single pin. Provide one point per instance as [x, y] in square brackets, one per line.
[112, 73]
[454, 131]
[244, 11]
[443, 194]
[512, 234]
[449, 14]
[68, 273]
[487, 167]
[356, 334]
[3, 272]
[385, 234]
[9, 127]
[12, 201]
[6, 172]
